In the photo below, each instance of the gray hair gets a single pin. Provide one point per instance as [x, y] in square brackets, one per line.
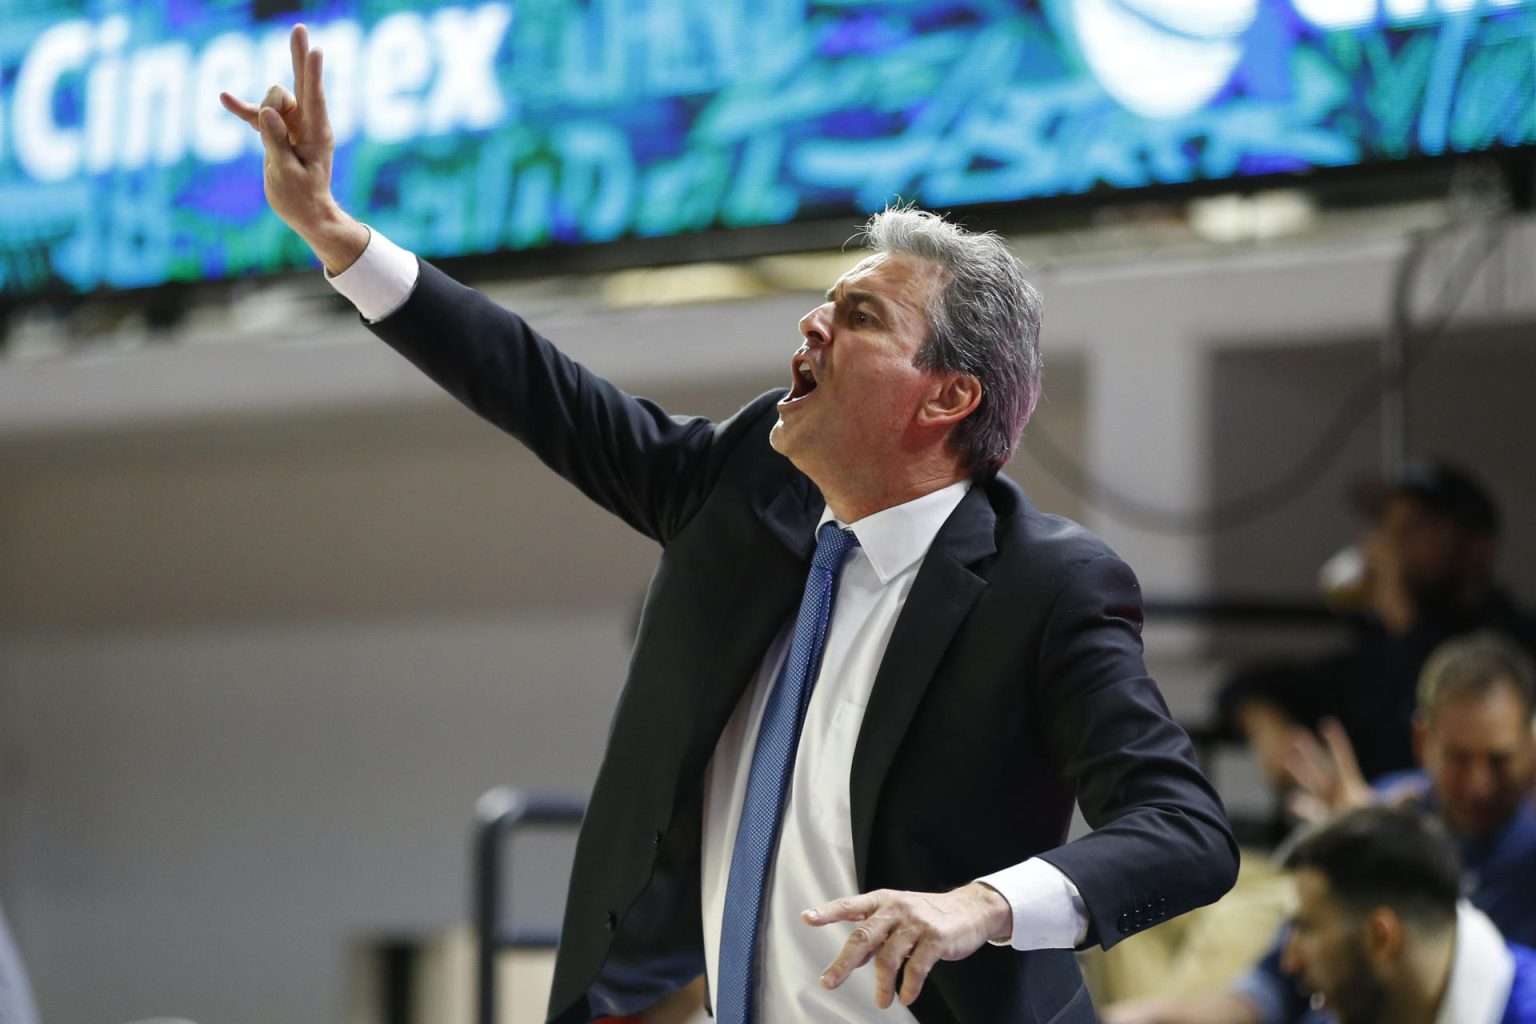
[1470, 666]
[985, 322]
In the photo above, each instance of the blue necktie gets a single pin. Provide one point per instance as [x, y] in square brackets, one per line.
[773, 763]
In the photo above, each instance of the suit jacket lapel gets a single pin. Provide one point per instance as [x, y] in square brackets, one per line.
[941, 597]
[765, 591]
[791, 516]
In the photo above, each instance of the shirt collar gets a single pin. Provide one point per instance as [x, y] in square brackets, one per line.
[1482, 971]
[895, 538]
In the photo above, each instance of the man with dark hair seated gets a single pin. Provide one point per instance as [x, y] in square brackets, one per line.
[1473, 736]
[1380, 936]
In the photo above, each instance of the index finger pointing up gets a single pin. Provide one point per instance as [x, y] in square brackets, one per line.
[298, 47]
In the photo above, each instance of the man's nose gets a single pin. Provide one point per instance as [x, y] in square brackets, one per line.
[1481, 781]
[815, 326]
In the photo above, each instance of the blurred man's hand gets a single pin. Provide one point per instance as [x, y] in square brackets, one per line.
[1327, 773]
[296, 133]
[1272, 735]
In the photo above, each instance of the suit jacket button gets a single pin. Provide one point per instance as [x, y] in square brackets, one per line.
[612, 920]
[657, 841]
[1125, 924]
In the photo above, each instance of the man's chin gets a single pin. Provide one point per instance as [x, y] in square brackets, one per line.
[787, 439]
[1479, 824]
[791, 444]
[777, 437]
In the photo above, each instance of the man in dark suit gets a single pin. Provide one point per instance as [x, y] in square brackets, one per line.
[870, 678]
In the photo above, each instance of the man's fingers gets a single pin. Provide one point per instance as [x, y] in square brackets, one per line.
[1339, 746]
[919, 964]
[849, 908]
[298, 48]
[906, 934]
[888, 960]
[247, 112]
[863, 942]
[1322, 772]
[280, 100]
[312, 99]
[274, 132]
[1301, 763]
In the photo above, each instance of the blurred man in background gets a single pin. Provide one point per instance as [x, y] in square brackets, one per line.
[1427, 575]
[1475, 736]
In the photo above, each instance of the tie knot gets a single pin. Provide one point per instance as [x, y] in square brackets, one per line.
[832, 543]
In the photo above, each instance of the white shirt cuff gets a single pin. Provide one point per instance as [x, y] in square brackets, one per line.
[381, 279]
[1048, 911]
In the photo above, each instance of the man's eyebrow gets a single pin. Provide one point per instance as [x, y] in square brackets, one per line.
[860, 299]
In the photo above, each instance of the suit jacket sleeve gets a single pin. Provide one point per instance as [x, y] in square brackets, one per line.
[1160, 843]
[625, 453]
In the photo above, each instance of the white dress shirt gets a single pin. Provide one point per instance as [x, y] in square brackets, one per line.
[1482, 971]
[380, 280]
[814, 861]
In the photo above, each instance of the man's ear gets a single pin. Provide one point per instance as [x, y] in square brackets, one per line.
[1420, 737]
[953, 397]
[1383, 938]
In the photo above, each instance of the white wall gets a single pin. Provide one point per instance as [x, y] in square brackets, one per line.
[251, 692]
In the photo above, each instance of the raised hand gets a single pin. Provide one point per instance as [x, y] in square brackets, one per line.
[910, 932]
[1327, 773]
[299, 150]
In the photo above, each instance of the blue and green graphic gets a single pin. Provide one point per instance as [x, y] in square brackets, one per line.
[514, 124]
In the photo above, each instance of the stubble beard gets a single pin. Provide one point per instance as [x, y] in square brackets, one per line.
[1361, 999]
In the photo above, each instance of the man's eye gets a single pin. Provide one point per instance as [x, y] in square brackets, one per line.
[860, 317]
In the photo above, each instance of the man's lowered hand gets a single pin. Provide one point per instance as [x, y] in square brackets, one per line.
[907, 933]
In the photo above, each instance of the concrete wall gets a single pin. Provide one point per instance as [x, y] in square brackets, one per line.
[1470, 401]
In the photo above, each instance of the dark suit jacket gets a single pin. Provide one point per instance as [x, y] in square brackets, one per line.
[1013, 685]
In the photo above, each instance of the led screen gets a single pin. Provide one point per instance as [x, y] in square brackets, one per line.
[474, 128]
